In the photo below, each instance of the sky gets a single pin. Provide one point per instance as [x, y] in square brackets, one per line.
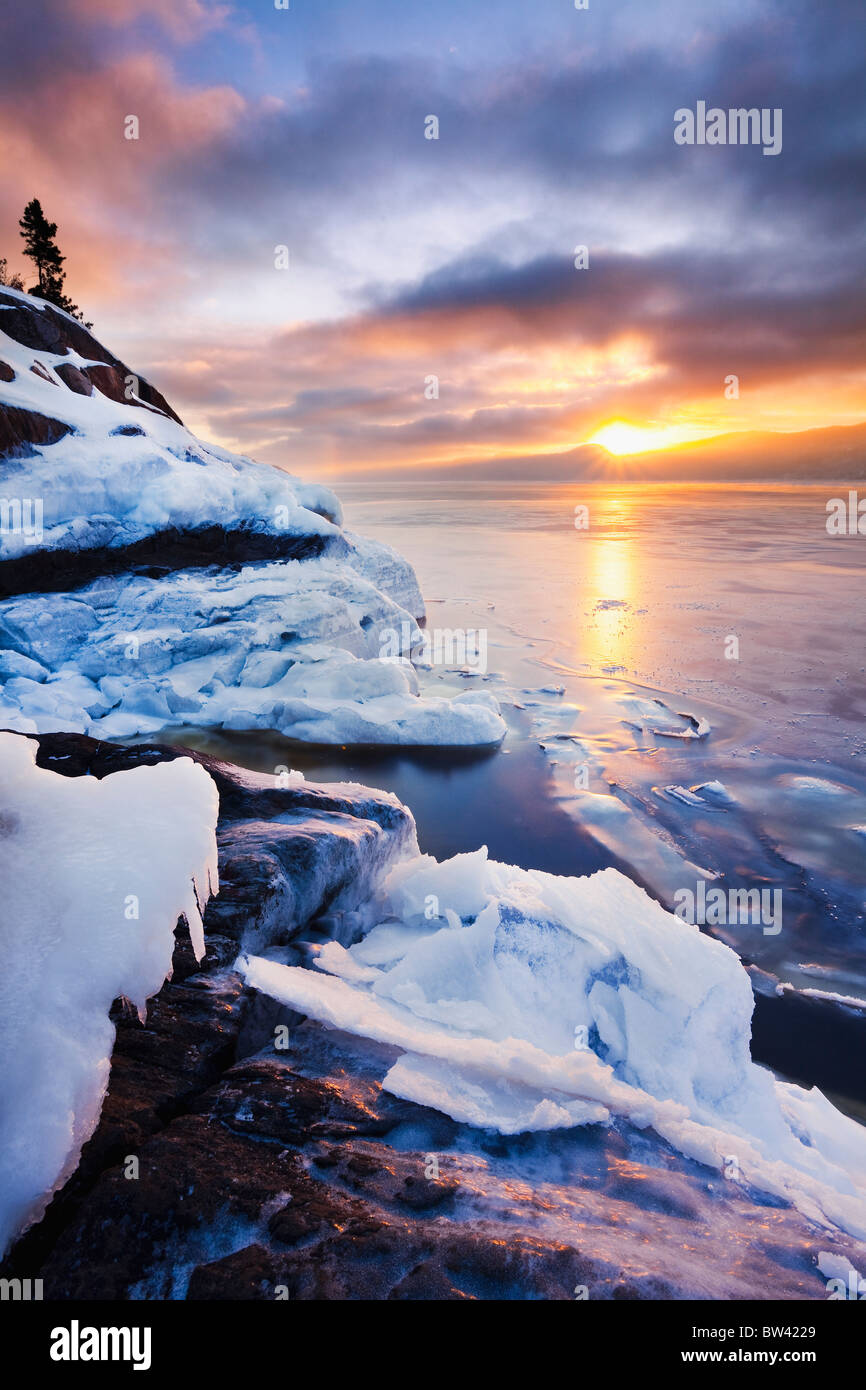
[427, 309]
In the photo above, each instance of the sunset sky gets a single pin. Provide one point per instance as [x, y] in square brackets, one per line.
[453, 257]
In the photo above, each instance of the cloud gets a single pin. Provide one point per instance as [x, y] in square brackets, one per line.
[452, 257]
[185, 20]
[534, 357]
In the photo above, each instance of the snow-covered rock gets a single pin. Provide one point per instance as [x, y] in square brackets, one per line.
[94, 875]
[151, 579]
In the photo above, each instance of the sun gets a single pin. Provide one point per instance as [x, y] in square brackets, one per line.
[618, 437]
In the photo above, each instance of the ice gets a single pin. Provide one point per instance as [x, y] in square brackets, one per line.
[518, 1000]
[715, 792]
[677, 793]
[849, 1001]
[653, 716]
[834, 1266]
[468, 1096]
[649, 850]
[94, 875]
[291, 646]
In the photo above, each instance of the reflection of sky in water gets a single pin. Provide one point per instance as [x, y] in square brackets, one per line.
[654, 585]
[644, 600]
[694, 564]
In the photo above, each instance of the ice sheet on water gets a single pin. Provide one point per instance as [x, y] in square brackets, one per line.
[559, 1001]
[94, 875]
[653, 716]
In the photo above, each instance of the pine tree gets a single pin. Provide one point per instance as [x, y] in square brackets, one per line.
[40, 245]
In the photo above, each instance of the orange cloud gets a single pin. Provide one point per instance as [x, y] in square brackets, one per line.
[99, 186]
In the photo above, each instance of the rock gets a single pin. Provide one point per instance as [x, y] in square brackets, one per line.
[40, 371]
[247, 1274]
[21, 429]
[57, 571]
[75, 379]
[41, 326]
[120, 384]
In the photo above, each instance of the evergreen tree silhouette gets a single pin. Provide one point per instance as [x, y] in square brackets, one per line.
[40, 245]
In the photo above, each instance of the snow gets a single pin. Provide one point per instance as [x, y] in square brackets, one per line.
[99, 487]
[94, 876]
[288, 645]
[522, 1001]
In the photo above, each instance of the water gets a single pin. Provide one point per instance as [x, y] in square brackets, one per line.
[730, 605]
[642, 606]
[689, 564]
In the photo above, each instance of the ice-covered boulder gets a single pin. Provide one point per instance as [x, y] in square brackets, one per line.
[151, 579]
[104, 848]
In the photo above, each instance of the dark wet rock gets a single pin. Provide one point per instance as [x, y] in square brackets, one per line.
[21, 430]
[7, 373]
[157, 555]
[248, 1274]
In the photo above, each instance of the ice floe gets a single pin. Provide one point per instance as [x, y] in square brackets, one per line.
[653, 716]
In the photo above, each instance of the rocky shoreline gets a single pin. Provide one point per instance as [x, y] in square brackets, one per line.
[246, 1151]
[268, 1172]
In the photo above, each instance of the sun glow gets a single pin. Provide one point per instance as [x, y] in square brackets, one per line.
[618, 437]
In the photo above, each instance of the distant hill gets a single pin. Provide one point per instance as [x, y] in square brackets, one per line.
[761, 455]
[836, 453]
